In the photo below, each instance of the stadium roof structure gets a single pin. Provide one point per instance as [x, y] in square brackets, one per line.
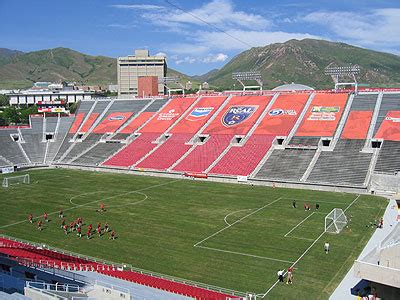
[293, 87]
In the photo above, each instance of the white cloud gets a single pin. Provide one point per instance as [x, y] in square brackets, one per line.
[368, 28]
[122, 26]
[219, 13]
[219, 57]
[137, 6]
[161, 54]
[219, 40]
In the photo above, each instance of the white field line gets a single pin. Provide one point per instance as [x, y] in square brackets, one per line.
[77, 206]
[237, 221]
[246, 254]
[305, 252]
[301, 222]
[225, 219]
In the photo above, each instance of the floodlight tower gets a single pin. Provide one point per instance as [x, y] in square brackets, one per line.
[175, 80]
[337, 72]
[252, 75]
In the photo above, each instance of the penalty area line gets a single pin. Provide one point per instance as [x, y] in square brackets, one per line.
[246, 254]
[237, 221]
[301, 222]
[305, 252]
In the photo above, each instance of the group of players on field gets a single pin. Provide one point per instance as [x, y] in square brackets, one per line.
[76, 225]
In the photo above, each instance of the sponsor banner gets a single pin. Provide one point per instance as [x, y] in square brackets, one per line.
[237, 114]
[52, 110]
[279, 112]
[167, 116]
[393, 119]
[51, 102]
[116, 118]
[196, 175]
[242, 178]
[325, 109]
[199, 113]
[7, 170]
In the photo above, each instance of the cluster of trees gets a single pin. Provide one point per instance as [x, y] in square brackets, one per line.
[11, 115]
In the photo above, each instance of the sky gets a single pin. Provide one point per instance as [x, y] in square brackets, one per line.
[196, 36]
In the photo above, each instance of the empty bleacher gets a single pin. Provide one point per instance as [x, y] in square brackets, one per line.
[34, 145]
[204, 154]
[98, 153]
[390, 102]
[243, 160]
[364, 102]
[58, 138]
[307, 141]
[168, 153]
[344, 165]
[10, 149]
[388, 159]
[286, 164]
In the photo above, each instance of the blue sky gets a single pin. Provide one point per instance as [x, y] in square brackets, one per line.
[203, 35]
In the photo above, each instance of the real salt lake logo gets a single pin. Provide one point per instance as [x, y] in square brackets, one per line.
[279, 111]
[237, 114]
[199, 113]
[116, 118]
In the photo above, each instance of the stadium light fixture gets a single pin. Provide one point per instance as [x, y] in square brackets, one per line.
[246, 76]
[174, 81]
[337, 72]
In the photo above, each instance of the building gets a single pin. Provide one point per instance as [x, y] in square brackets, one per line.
[34, 96]
[148, 86]
[131, 67]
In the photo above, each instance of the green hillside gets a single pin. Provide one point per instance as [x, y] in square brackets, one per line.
[304, 62]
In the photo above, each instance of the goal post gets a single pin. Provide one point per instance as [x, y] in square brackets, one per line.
[12, 180]
[335, 221]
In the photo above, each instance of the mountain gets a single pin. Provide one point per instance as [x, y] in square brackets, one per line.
[304, 62]
[205, 76]
[21, 70]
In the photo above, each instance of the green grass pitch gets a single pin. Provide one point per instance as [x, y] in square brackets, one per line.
[227, 235]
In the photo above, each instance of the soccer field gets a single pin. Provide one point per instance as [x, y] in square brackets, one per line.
[227, 235]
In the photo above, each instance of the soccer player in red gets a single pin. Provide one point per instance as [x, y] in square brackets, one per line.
[102, 207]
[39, 224]
[30, 218]
[79, 232]
[88, 234]
[71, 226]
[90, 227]
[99, 230]
[106, 227]
[112, 235]
[65, 227]
[46, 217]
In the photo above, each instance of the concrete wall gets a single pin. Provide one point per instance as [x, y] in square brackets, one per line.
[102, 292]
[390, 257]
[384, 182]
[377, 273]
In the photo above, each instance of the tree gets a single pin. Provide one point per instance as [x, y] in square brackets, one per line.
[12, 114]
[4, 101]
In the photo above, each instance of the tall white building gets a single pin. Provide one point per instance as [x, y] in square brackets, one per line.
[131, 67]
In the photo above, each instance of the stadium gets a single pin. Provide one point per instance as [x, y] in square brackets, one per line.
[208, 196]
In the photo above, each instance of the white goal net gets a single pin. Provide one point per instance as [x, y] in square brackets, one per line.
[22, 179]
[335, 221]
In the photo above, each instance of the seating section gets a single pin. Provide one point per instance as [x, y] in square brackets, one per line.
[390, 102]
[390, 127]
[79, 147]
[143, 144]
[243, 160]
[175, 146]
[305, 141]
[59, 137]
[38, 257]
[203, 155]
[357, 125]
[34, 145]
[279, 121]
[388, 159]
[364, 102]
[323, 115]
[129, 155]
[286, 164]
[344, 165]
[98, 154]
[9, 148]
[169, 152]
